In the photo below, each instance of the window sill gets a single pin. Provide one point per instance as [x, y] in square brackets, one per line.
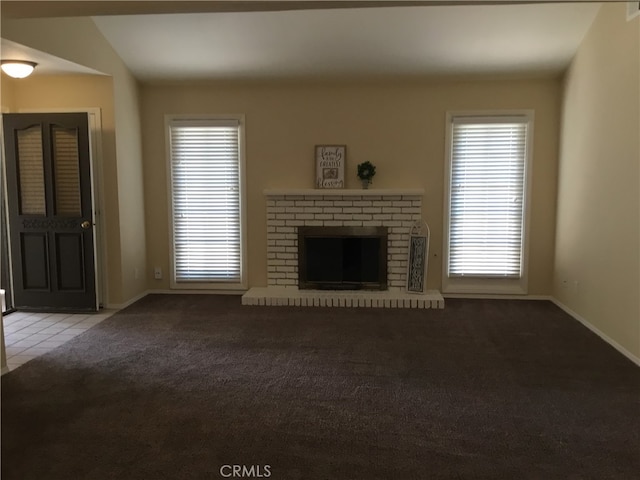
[490, 286]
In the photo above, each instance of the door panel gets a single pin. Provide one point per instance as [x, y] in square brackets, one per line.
[50, 211]
[70, 273]
[35, 264]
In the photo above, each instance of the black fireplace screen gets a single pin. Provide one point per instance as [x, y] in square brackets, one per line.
[342, 258]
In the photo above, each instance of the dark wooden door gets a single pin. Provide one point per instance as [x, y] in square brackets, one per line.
[50, 207]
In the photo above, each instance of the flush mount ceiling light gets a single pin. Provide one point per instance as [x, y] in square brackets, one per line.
[17, 68]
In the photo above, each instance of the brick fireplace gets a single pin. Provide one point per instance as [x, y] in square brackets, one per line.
[397, 210]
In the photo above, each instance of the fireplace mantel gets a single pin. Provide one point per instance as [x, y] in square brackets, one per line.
[344, 192]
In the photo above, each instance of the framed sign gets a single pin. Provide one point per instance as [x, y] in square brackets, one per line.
[418, 257]
[330, 160]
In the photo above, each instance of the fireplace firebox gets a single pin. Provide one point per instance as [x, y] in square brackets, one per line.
[342, 258]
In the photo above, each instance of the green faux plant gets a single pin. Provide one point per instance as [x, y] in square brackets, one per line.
[366, 170]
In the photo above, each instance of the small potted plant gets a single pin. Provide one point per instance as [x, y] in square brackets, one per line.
[366, 171]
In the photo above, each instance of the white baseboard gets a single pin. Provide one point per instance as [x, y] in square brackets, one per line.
[492, 296]
[197, 292]
[595, 330]
[120, 306]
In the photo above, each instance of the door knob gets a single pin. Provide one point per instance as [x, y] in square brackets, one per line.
[86, 224]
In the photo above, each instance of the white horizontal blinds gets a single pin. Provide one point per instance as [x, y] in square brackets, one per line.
[66, 166]
[205, 176]
[487, 196]
[31, 171]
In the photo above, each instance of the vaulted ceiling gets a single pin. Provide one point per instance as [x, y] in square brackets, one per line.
[167, 41]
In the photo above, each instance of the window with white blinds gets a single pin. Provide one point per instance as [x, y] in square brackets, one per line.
[487, 189]
[205, 168]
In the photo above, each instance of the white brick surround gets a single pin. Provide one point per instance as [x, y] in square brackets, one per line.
[289, 209]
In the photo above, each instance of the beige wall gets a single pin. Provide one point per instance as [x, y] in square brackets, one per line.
[79, 40]
[7, 103]
[598, 236]
[399, 126]
[133, 248]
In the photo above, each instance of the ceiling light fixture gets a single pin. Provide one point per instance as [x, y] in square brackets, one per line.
[17, 68]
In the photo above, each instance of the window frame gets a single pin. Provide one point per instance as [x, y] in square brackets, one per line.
[230, 287]
[477, 284]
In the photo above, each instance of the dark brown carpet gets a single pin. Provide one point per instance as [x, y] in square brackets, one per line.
[176, 387]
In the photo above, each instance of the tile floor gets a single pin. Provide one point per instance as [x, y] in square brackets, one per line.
[29, 335]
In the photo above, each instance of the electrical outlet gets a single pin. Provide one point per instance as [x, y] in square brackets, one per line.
[157, 273]
[136, 273]
[576, 286]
